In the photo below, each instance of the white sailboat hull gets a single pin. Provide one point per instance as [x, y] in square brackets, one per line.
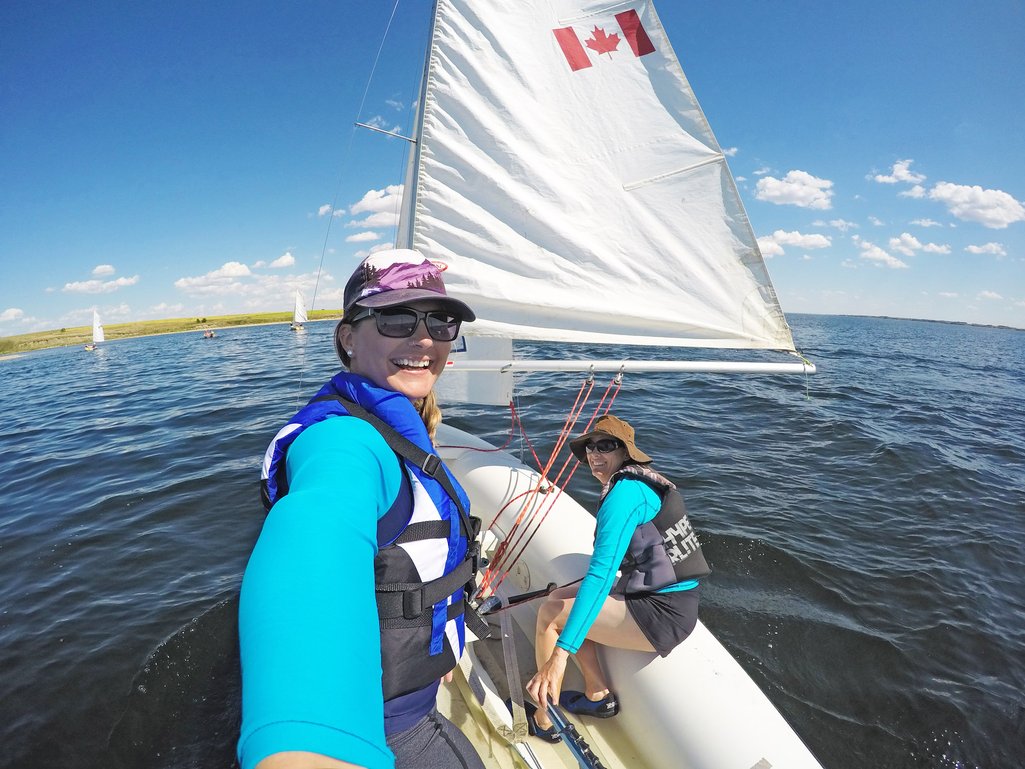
[696, 708]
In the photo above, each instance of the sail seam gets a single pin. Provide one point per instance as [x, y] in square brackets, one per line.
[719, 158]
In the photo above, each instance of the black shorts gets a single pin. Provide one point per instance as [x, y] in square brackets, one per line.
[666, 619]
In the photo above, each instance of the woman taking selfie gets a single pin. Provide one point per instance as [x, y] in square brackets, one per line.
[352, 606]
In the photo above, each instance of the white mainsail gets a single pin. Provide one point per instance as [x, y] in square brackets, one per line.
[97, 328]
[299, 311]
[567, 178]
[566, 174]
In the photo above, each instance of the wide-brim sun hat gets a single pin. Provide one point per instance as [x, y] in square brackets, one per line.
[615, 427]
[399, 276]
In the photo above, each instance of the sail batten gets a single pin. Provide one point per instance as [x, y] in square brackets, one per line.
[566, 175]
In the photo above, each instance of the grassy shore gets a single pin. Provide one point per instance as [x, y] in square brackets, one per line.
[82, 335]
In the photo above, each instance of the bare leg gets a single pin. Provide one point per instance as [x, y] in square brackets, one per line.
[595, 686]
[614, 626]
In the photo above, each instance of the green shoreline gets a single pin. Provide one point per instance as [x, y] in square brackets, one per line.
[82, 335]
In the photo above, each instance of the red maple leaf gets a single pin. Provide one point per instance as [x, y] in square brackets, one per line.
[602, 43]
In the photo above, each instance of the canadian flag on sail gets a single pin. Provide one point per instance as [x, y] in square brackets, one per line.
[601, 41]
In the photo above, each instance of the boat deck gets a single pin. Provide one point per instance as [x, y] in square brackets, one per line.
[457, 700]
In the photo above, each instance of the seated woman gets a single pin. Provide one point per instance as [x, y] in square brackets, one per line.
[642, 531]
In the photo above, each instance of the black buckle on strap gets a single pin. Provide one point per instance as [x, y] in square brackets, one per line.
[431, 464]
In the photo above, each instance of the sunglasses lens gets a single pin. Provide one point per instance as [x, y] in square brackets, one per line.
[397, 323]
[401, 322]
[442, 326]
[604, 446]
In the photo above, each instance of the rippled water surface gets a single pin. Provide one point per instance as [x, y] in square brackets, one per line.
[866, 527]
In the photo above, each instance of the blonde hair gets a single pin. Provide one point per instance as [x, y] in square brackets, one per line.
[429, 412]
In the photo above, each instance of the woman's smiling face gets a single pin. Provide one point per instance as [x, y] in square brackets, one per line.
[604, 466]
[410, 365]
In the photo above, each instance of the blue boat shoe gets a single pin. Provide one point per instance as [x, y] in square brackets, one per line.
[578, 704]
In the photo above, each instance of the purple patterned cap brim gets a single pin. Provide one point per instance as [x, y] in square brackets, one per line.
[391, 278]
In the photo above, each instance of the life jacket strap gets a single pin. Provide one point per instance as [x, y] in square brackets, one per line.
[417, 601]
[425, 460]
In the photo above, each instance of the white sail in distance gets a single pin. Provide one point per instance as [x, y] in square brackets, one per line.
[97, 328]
[299, 310]
[566, 175]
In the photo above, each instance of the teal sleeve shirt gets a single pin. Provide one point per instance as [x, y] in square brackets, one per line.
[629, 504]
[308, 629]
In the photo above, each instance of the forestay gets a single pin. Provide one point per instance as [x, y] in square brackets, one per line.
[566, 174]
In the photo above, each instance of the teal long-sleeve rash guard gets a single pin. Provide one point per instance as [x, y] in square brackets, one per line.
[308, 629]
[629, 504]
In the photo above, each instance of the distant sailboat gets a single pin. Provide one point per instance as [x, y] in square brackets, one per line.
[299, 312]
[97, 332]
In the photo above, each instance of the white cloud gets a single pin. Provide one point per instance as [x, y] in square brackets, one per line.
[948, 294]
[901, 173]
[165, 308]
[797, 188]
[230, 270]
[379, 219]
[842, 224]
[908, 244]
[925, 223]
[916, 192]
[11, 313]
[324, 210]
[989, 248]
[762, 171]
[285, 260]
[375, 201]
[363, 237]
[990, 208]
[772, 245]
[222, 280]
[395, 104]
[730, 152]
[103, 269]
[874, 253]
[98, 286]
[990, 295]
[876, 221]
[259, 264]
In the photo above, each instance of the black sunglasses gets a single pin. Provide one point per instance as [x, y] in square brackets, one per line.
[603, 446]
[401, 322]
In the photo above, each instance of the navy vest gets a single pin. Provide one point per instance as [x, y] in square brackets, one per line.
[665, 550]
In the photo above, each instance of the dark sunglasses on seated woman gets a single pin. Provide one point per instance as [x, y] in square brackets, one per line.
[602, 446]
[401, 322]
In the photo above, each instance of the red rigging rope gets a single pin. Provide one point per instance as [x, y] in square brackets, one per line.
[498, 567]
[522, 532]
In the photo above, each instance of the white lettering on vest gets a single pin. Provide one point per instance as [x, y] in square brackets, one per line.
[680, 541]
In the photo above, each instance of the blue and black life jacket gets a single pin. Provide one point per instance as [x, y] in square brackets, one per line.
[665, 550]
[427, 555]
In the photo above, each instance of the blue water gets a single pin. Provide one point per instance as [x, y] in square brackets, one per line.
[866, 527]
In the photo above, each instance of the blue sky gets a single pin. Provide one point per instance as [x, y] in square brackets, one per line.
[191, 159]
